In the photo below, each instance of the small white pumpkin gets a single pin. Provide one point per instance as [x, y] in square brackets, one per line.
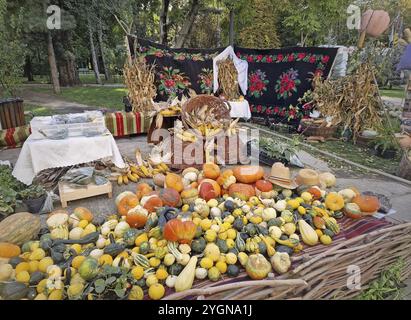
[101, 242]
[57, 220]
[328, 179]
[120, 228]
[201, 273]
[73, 220]
[190, 176]
[275, 232]
[96, 253]
[171, 281]
[269, 213]
[75, 234]
[215, 212]
[280, 205]
[6, 272]
[184, 248]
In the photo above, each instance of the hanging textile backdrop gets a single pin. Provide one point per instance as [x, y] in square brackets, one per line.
[277, 78]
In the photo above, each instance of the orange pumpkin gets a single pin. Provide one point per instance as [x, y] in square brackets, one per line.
[264, 185]
[315, 192]
[9, 250]
[189, 195]
[143, 189]
[211, 170]
[174, 181]
[176, 230]
[209, 189]
[334, 201]
[83, 214]
[127, 203]
[170, 197]
[241, 191]
[368, 204]
[248, 174]
[151, 202]
[353, 211]
[137, 217]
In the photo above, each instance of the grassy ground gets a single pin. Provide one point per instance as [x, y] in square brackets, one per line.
[84, 78]
[393, 93]
[104, 97]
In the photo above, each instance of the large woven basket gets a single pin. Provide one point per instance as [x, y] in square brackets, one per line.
[311, 130]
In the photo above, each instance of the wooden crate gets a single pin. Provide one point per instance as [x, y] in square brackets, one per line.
[68, 193]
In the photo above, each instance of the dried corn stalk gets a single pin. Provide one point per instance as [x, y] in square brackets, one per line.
[139, 79]
[228, 79]
[352, 101]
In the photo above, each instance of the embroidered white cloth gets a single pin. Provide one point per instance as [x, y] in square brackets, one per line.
[37, 155]
[240, 109]
[240, 65]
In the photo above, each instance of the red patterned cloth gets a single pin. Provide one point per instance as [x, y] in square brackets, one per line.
[14, 137]
[122, 124]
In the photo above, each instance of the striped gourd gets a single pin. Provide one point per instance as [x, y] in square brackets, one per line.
[141, 260]
[19, 228]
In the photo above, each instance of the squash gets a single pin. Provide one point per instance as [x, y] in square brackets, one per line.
[127, 203]
[264, 189]
[137, 217]
[143, 189]
[60, 232]
[120, 228]
[122, 195]
[334, 201]
[75, 233]
[209, 189]
[89, 269]
[83, 214]
[180, 231]
[14, 291]
[212, 251]
[185, 279]
[281, 262]
[174, 181]
[226, 179]
[189, 195]
[170, 197]
[241, 191]
[257, 267]
[211, 171]
[347, 194]
[315, 192]
[151, 202]
[248, 174]
[57, 220]
[328, 179]
[308, 234]
[9, 250]
[159, 179]
[368, 204]
[6, 272]
[19, 228]
[353, 211]
[268, 214]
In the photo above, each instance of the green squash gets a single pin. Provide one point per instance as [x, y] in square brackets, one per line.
[175, 269]
[89, 269]
[198, 245]
[14, 291]
[276, 222]
[130, 236]
[144, 248]
[222, 245]
[233, 270]
[36, 277]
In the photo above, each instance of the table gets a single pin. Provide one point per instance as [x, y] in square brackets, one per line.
[39, 154]
[240, 109]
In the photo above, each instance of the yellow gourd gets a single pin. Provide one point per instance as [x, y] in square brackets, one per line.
[185, 279]
[308, 234]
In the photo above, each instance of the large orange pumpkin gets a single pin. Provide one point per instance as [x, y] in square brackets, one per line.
[179, 231]
[248, 174]
[170, 197]
[264, 186]
[137, 217]
[368, 204]
[241, 191]
[174, 181]
[143, 189]
[151, 202]
[209, 189]
[9, 250]
[126, 203]
[211, 170]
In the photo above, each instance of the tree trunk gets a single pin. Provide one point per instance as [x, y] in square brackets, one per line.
[68, 70]
[93, 52]
[28, 69]
[231, 32]
[52, 63]
[163, 21]
[188, 25]
[102, 51]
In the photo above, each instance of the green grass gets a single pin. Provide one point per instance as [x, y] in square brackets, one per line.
[393, 93]
[91, 79]
[101, 97]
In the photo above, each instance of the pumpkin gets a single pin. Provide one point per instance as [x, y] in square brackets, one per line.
[347, 194]
[315, 192]
[375, 22]
[174, 181]
[209, 189]
[353, 211]
[122, 195]
[281, 262]
[159, 179]
[264, 189]
[188, 196]
[83, 214]
[19, 228]
[143, 189]
[368, 204]
[89, 269]
[334, 201]
[57, 220]
[211, 171]
[226, 179]
[176, 230]
[170, 197]
[137, 217]
[151, 202]
[127, 203]
[241, 191]
[257, 267]
[6, 272]
[9, 250]
[14, 290]
[248, 174]
[328, 179]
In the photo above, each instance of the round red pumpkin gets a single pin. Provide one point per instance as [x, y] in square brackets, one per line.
[136, 219]
[264, 185]
[170, 197]
[368, 204]
[151, 202]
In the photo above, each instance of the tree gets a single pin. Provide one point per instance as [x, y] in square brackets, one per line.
[188, 24]
[163, 21]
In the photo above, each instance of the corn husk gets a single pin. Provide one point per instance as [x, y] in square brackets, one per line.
[228, 79]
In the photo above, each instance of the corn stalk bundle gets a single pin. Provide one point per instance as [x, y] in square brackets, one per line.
[228, 79]
[139, 79]
[353, 101]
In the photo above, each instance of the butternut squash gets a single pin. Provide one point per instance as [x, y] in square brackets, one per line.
[308, 234]
[185, 279]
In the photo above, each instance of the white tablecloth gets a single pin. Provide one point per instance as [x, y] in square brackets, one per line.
[240, 109]
[37, 155]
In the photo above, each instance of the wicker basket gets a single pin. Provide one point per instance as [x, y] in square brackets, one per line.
[321, 273]
[364, 141]
[311, 130]
[404, 171]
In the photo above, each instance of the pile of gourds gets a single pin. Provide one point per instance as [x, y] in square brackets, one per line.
[207, 224]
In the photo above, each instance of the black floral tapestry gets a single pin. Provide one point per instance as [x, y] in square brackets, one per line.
[277, 78]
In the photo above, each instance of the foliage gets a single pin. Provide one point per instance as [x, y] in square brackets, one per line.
[32, 192]
[387, 286]
[386, 139]
[9, 186]
[276, 149]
